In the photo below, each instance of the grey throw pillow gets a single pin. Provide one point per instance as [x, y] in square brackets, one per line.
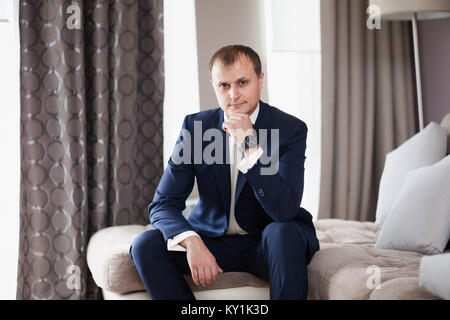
[423, 149]
[420, 217]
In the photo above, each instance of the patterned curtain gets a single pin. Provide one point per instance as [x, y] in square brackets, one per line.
[91, 133]
[368, 106]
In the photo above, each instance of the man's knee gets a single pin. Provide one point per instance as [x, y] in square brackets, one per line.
[284, 234]
[147, 244]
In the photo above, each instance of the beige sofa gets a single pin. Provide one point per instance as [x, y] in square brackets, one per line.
[339, 270]
[347, 266]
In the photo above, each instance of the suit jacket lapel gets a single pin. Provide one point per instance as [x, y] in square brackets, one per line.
[240, 182]
[222, 171]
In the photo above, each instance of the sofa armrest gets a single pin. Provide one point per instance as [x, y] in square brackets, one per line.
[109, 260]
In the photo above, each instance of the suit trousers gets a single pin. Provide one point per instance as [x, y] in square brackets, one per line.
[279, 254]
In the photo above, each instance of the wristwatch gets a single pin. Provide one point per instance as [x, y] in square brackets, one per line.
[248, 143]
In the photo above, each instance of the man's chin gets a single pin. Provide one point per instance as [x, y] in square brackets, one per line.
[241, 108]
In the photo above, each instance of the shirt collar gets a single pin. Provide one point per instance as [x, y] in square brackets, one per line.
[253, 116]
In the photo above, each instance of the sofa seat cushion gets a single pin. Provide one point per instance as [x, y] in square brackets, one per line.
[345, 265]
[346, 271]
[113, 269]
[341, 231]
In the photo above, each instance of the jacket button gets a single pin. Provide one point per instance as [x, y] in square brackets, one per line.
[261, 192]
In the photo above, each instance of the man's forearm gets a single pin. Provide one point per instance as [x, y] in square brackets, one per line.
[276, 195]
[190, 241]
[175, 243]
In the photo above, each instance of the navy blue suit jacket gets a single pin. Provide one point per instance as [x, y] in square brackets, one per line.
[260, 199]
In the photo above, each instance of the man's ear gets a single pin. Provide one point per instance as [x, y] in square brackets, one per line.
[261, 80]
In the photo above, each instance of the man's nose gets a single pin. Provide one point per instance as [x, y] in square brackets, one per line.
[234, 93]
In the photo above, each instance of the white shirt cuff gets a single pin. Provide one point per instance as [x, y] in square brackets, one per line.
[248, 162]
[173, 243]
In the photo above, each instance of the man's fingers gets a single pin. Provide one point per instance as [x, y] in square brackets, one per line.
[214, 272]
[238, 115]
[208, 276]
[201, 277]
[229, 123]
[194, 272]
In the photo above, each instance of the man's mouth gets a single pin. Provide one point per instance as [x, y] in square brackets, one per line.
[236, 104]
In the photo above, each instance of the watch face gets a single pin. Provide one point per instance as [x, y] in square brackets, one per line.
[251, 142]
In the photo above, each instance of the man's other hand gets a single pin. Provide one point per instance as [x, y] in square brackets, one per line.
[203, 265]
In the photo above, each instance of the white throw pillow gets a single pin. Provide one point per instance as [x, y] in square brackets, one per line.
[420, 217]
[434, 274]
[423, 149]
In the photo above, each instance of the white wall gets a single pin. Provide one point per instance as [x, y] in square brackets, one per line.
[10, 146]
[294, 78]
[181, 95]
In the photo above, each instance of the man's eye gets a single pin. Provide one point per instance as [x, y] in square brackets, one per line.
[243, 82]
[223, 85]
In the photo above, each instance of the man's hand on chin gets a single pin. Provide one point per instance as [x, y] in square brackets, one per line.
[238, 126]
[203, 265]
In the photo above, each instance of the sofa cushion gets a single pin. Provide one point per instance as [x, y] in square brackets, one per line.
[404, 288]
[227, 280]
[345, 271]
[346, 261]
[113, 269]
[420, 217]
[423, 149]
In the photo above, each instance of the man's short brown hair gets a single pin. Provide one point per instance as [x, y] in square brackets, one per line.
[228, 55]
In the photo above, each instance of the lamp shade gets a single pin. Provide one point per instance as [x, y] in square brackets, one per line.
[5, 11]
[405, 9]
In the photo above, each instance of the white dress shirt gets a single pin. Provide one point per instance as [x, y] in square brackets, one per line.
[237, 164]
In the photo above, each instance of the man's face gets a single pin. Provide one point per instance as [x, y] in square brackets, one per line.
[237, 86]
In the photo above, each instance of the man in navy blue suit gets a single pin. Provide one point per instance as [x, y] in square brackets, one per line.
[248, 159]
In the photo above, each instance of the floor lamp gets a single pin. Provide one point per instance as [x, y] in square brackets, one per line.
[414, 10]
